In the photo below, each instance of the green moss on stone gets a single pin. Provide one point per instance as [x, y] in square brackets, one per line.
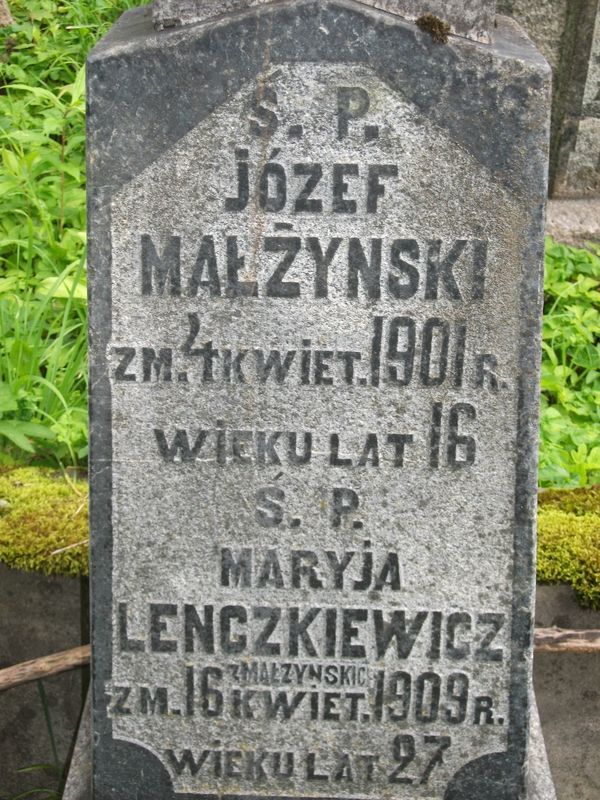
[42, 512]
[569, 541]
[575, 501]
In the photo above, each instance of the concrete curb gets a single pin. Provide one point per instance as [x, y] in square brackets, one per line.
[574, 222]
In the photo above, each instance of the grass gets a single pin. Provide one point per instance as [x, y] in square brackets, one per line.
[43, 379]
[43, 319]
[53, 771]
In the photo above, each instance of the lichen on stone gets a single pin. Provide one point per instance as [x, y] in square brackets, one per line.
[435, 27]
[43, 521]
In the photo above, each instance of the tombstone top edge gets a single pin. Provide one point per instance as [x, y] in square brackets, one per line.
[472, 19]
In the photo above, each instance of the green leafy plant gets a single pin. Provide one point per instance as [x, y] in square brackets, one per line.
[43, 318]
[570, 411]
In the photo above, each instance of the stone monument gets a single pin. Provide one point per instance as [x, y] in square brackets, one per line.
[577, 171]
[315, 268]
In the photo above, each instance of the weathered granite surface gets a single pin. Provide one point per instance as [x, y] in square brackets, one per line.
[172, 13]
[544, 21]
[471, 18]
[540, 785]
[315, 270]
[78, 785]
[79, 781]
[574, 221]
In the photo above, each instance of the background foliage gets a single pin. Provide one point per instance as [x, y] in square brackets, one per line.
[570, 413]
[43, 381]
[43, 389]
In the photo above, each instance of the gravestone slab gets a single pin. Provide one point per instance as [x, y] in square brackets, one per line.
[315, 269]
[171, 13]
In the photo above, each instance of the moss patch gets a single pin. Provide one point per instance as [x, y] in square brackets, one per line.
[435, 27]
[569, 541]
[41, 512]
[573, 501]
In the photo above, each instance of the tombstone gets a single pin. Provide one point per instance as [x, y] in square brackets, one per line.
[315, 267]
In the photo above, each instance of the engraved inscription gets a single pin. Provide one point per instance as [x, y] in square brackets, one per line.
[313, 575]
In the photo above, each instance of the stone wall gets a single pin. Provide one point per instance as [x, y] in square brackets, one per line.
[568, 34]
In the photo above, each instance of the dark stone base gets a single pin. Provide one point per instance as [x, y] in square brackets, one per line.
[79, 779]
